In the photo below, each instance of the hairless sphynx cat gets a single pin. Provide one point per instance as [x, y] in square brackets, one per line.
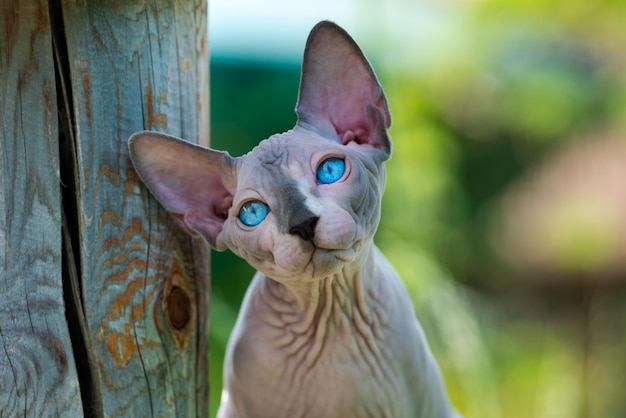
[326, 328]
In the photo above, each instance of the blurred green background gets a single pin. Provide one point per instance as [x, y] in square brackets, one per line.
[505, 206]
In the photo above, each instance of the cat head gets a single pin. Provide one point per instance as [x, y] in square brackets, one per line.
[303, 203]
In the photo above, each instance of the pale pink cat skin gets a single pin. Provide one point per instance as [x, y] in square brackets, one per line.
[327, 328]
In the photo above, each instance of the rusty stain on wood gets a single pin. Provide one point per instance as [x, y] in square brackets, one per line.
[111, 173]
[86, 79]
[155, 120]
[59, 349]
[121, 347]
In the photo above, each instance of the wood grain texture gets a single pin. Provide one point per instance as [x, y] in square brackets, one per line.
[37, 369]
[139, 65]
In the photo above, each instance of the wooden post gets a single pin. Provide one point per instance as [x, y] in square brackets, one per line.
[104, 300]
[37, 368]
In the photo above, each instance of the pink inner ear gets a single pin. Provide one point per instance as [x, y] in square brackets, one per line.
[222, 206]
[350, 136]
[196, 193]
[180, 193]
[192, 182]
[339, 93]
[202, 215]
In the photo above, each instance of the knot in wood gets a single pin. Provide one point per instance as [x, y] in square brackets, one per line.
[178, 308]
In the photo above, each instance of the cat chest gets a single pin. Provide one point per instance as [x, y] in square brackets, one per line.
[343, 372]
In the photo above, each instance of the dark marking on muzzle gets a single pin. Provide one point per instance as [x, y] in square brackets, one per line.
[304, 228]
[293, 215]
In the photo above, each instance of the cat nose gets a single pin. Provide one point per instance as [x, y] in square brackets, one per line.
[305, 228]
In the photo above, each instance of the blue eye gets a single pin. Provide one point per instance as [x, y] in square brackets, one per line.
[253, 212]
[330, 170]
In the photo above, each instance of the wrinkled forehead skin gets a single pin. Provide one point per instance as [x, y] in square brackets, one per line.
[283, 168]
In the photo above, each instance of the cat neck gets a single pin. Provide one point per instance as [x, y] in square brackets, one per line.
[351, 292]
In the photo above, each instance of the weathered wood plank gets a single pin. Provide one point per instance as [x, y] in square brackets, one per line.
[37, 369]
[139, 65]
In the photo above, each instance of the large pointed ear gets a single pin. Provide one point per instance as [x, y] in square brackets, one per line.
[194, 183]
[340, 97]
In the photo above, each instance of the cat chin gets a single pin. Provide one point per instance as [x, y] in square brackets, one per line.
[315, 265]
[328, 262]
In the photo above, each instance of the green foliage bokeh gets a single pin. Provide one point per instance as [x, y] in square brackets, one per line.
[526, 81]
